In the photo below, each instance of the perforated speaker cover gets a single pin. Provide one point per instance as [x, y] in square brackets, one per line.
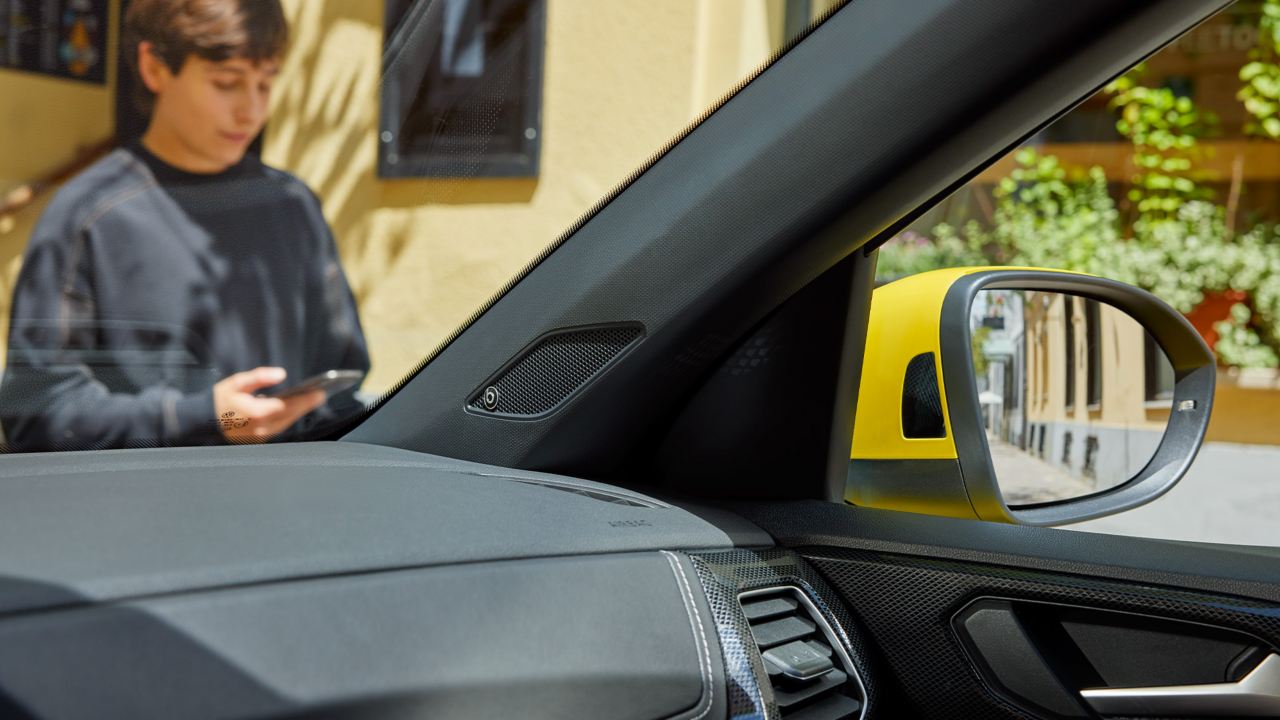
[552, 368]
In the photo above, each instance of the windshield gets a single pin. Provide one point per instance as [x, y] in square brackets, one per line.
[234, 221]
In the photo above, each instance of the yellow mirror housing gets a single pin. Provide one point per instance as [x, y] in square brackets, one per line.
[919, 443]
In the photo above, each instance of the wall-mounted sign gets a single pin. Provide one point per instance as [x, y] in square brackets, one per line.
[64, 38]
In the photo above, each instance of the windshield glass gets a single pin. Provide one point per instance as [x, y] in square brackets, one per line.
[229, 221]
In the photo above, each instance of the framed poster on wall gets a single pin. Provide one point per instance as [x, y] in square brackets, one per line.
[61, 38]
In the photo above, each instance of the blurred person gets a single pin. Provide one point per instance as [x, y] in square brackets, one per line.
[171, 282]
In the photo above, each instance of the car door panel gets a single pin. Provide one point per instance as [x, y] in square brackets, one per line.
[1093, 610]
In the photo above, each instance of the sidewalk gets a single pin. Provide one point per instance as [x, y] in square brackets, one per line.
[1025, 478]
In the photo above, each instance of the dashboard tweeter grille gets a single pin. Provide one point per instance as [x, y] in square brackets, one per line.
[552, 369]
[809, 670]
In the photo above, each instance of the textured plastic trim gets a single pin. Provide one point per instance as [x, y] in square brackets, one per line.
[906, 603]
[475, 401]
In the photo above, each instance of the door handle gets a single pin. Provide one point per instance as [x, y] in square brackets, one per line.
[1254, 695]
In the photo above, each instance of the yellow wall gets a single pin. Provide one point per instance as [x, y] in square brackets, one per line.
[1123, 402]
[1246, 407]
[46, 120]
[621, 79]
[1246, 403]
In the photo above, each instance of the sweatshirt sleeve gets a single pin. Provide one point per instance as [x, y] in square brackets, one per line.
[50, 397]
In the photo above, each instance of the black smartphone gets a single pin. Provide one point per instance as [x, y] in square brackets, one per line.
[332, 382]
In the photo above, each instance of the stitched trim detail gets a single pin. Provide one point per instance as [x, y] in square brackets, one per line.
[700, 635]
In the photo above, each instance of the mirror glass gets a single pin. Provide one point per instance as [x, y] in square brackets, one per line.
[1075, 395]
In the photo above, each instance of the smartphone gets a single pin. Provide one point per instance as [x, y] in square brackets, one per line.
[332, 382]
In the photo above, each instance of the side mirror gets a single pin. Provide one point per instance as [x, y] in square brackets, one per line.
[1025, 396]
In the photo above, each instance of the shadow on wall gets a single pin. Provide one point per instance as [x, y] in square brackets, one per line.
[324, 129]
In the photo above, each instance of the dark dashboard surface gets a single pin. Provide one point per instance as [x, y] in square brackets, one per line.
[347, 579]
[79, 527]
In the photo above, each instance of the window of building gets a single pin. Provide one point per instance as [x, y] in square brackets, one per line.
[1069, 334]
[461, 88]
[1093, 352]
[1159, 372]
[1090, 469]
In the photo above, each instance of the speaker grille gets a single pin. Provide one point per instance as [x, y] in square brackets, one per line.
[551, 370]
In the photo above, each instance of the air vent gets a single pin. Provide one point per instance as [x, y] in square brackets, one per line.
[811, 674]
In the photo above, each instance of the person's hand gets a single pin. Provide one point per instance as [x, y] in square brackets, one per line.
[246, 418]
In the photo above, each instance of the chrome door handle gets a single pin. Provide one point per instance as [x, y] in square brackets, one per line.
[1254, 695]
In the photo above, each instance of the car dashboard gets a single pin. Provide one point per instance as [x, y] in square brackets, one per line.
[346, 579]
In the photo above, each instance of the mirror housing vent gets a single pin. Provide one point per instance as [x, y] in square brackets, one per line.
[809, 671]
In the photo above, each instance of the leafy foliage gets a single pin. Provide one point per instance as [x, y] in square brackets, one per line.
[1163, 128]
[1046, 220]
[1237, 341]
[1260, 91]
[1174, 240]
[912, 253]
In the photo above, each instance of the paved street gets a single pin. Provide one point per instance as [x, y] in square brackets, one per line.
[1231, 495]
[1025, 478]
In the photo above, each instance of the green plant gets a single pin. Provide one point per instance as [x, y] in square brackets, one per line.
[1163, 128]
[1044, 219]
[1174, 241]
[1239, 344]
[1260, 78]
[912, 253]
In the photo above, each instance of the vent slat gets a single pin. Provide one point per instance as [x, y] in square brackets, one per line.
[830, 681]
[820, 647]
[776, 632]
[836, 707]
[771, 607]
[797, 661]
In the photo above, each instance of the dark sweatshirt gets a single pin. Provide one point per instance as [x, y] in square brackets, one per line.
[143, 285]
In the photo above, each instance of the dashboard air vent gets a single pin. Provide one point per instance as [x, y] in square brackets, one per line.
[811, 674]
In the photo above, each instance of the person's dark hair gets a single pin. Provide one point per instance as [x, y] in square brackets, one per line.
[211, 29]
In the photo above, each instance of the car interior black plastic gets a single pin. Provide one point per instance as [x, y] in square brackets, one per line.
[1039, 655]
